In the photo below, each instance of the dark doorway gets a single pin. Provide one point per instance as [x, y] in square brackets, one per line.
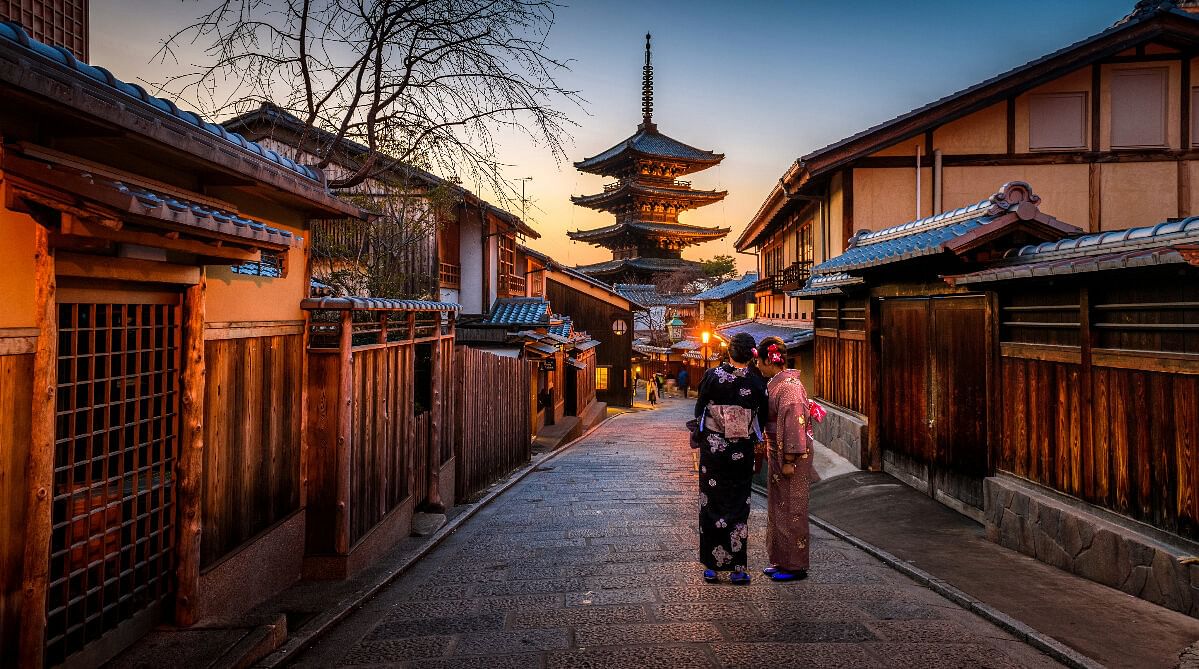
[934, 380]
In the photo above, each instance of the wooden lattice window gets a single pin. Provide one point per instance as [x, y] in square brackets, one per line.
[507, 257]
[601, 377]
[57, 22]
[271, 265]
[116, 441]
[1046, 315]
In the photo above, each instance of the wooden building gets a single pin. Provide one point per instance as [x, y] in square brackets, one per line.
[1039, 379]
[732, 300]
[599, 310]
[61, 23]
[465, 251]
[152, 360]
[1107, 128]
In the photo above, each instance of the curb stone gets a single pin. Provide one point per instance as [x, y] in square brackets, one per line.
[1042, 642]
[325, 621]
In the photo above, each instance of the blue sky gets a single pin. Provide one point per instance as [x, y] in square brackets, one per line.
[761, 82]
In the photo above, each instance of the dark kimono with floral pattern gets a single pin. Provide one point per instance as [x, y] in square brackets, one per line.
[726, 462]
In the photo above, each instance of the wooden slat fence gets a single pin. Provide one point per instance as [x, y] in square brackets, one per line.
[492, 415]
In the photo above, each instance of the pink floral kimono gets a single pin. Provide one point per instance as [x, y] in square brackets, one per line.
[787, 432]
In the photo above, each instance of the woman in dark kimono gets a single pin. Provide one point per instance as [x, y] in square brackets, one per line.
[730, 401]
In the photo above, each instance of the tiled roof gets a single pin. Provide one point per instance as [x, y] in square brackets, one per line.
[933, 235]
[827, 284]
[672, 229]
[587, 345]
[729, 288]
[576, 274]
[647, 294]
[637, 264]
[618, 196]
[562, 329]
[1165, 243]
[13, 33]
[375, 304]
[759, 331]
[519, 311]
[651, 142]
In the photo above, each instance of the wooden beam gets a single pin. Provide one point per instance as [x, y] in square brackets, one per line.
[435, 504]
[1185, 100]
[1094, 199]
[125, 269]
[1096, 83]
[846, 208]
[188, 469]
[73, 225]
[18, 341]
[39, 471]
[1011, 126]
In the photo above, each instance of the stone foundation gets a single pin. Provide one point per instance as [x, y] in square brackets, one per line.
[1092, 542]
[843, 433]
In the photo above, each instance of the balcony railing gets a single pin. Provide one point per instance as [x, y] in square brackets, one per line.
[762, 285]
[451, 275]
[795, 276]
[515, 285]
[776, 283]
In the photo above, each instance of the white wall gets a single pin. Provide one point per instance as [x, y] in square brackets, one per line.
[471, 251]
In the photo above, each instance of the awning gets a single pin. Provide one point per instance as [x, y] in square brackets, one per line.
[542, 348]
[573, 362]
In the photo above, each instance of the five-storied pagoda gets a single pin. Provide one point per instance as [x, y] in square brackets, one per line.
[647, 198]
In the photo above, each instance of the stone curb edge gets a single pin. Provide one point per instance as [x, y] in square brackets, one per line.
[327, 620]
[1042, 642]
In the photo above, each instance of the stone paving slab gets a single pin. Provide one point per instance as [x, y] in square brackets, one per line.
[591, 563]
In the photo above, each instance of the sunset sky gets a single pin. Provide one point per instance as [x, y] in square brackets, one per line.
[761, 82]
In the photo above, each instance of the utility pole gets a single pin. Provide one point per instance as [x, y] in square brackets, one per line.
[524, 201]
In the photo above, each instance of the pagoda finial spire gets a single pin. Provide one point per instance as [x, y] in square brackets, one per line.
[647, 88]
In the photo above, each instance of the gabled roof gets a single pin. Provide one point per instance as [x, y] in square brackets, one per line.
[729, 288]
[269, 118]
[1172, 242]
[573, 273]
[953, 231]
[519, 311]
[1157, 21]
[648, 142]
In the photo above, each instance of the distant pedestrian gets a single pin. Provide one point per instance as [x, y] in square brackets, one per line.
[651, 392]
[660, 381]
[789, 461]
[728, 407]
[682, 379]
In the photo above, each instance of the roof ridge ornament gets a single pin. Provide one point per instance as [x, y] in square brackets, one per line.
[1016, 197]
[647, 89]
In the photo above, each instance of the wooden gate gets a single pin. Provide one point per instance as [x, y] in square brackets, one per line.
[934, 380]
[116, 442]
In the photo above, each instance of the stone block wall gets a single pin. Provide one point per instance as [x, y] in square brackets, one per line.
[843, 433]
[1092, 543]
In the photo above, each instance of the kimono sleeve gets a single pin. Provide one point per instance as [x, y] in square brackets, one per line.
[791, 422]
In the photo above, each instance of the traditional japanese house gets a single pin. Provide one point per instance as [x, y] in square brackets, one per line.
[732, 300]
[1039, 379]
[603, 313]
[1104, 127]
[152, 360]
[458, 247]
[647, 197]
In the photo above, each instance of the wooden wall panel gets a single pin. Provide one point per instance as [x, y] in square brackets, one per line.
[252, 437]
[493, 435]
[16, 403]
[840, 371]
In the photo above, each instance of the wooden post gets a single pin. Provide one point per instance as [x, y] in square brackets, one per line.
[39, 472]
[189, 467]
[435, 504]
[345, 434]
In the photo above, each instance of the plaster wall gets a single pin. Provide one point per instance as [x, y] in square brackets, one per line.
[472, 266]
[1135, 194]
[1064, 189]
[883, 197]
[234, 297]
[16, 278]
[836, 210]
[984, 131]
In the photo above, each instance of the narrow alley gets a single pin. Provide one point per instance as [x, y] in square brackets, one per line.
[589, 562]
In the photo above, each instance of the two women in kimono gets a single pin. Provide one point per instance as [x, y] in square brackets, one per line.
[732, 406]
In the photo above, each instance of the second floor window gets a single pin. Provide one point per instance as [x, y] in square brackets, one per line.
[1139, 107]
[507, 257]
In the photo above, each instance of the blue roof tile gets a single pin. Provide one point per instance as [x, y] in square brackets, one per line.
[13, 33]
[519, 311]
[729, 288]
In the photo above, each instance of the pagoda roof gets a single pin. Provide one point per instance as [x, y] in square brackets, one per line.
[647, 142]
[618, 193]
[649, 228]
[648, 265]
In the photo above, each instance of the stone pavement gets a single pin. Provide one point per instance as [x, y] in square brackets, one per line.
[590, 562]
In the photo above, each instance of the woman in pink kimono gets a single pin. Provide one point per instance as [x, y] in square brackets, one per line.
[789, 462]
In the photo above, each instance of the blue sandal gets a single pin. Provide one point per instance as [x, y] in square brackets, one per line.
[783, 576]
[739, 578]
[711, 576]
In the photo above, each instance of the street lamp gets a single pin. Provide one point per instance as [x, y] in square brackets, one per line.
[705, 338]
[675, 329]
